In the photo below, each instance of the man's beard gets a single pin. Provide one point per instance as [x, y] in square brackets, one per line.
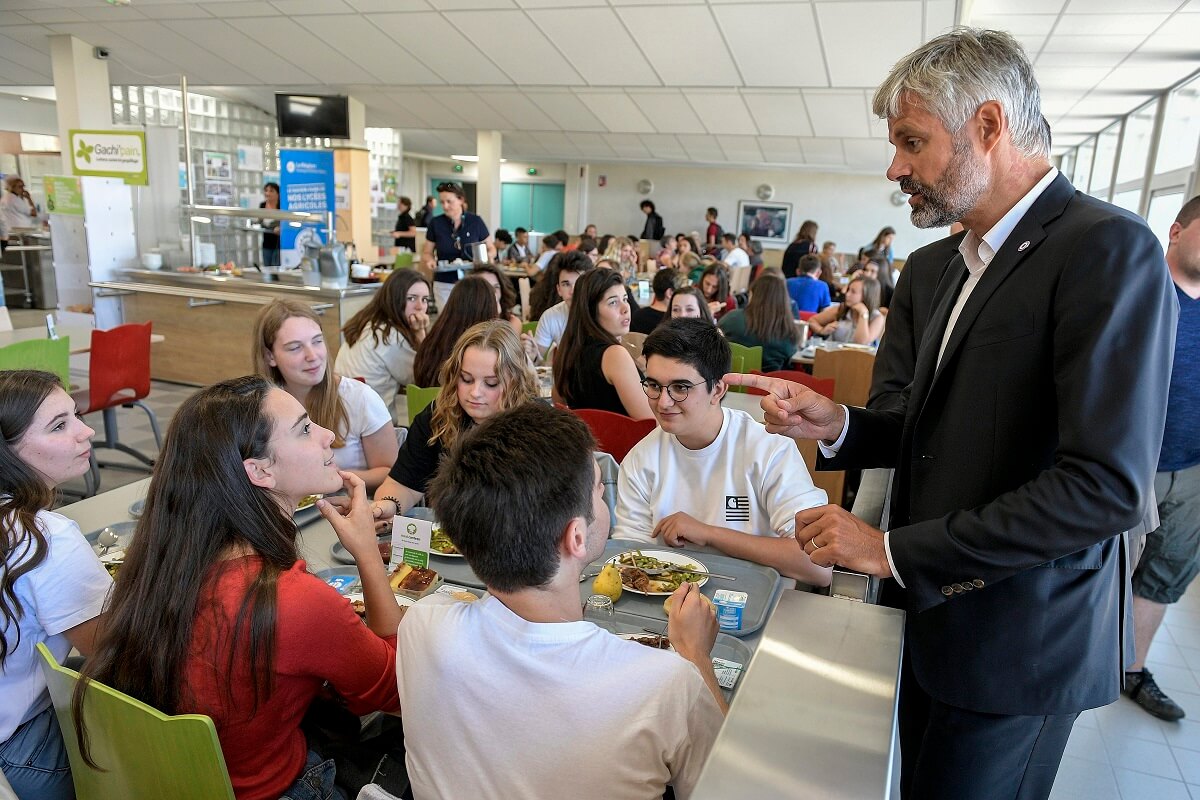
[955, 193]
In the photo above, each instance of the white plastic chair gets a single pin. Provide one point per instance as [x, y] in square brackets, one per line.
[523, 286]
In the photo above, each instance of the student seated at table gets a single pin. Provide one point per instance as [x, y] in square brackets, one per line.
[857, 319]
[516, 696]
[645, 320]
[502, 289]
[709, 475]
[767, 321]
[591, 368]
[289, 350]
[561, 278]
[52, 586]
[487, 372]
[472, 301]
[807, 290]
[214, 612]
[714, 285]
[688, 302]
[382, 338]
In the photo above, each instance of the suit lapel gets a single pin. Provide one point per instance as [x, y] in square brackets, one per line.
[953, 277]
[1020, 244]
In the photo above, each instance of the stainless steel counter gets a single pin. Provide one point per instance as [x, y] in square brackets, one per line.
[250, 282]
[815, 716]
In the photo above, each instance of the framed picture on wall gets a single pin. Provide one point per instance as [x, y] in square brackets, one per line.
[765, 221]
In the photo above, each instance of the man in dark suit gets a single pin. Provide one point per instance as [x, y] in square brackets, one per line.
[1025, 444]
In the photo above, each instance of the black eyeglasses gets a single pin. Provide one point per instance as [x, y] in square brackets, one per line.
[677, 390]
[449, 187]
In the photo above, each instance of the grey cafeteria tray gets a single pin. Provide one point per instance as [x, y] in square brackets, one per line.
[452, 569]
[725, 647]
[759, 582]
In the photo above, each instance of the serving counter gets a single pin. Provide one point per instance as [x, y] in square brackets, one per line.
[208, 318]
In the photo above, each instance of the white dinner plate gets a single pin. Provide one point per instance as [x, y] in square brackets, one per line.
[679, 559]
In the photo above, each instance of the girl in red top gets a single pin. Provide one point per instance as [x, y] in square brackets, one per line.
[213, 611]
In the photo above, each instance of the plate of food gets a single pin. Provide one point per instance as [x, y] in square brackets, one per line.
[359, 604]
[652, 640]
[632, 564]
[440, 544]
[306, 502]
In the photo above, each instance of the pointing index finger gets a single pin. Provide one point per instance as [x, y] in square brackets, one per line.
[774, 386]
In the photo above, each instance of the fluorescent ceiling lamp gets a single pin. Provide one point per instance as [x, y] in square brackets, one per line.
[474, 159]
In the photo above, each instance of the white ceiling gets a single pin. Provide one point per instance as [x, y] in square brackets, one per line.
[754, 82]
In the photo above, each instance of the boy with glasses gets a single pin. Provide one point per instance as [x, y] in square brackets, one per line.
[710, 475]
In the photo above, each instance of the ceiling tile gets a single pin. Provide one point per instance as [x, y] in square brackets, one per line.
[1072, 77]
[617, 111]
[286, 36]
[837, 113]
[566, 110]
[823, 151]
[1049, 61]
[669, 112]
[701, 147]
[373, 6]
[787, 52]
[1179, 35]
[1116, 105]
[664, 146]
[15, 73]
[850, 62]
[1016, 24]
[41, 15]
[778, 113]
[299, 8]
[555, 143]
[227, 42]
[592, 145]
[534, 62]
[188, 57]
[369, 48]
[27, 52]
[1108, 24]
[519, 108]
[107, 13]
[458, 5]
[781, 149]
[627, 145]
[1118, 6]
[252, 8]
[429, 37]
[470, 107]
[721, 112]
[867, 154]
[418, 103]
[1067, 43]
[618, 62]
[694, 54]
[741, 148]
[177, 11]
[1155, 75]
[984, 7]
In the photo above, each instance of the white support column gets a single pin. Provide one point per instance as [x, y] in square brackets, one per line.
[103, 241]
[487, 185]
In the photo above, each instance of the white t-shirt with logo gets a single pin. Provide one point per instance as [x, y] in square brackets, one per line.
[366, 413]
[497, 707]
[67, 589]
[747, 480]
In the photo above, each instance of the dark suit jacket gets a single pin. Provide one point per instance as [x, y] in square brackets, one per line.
[1022, 457]
[653, 229]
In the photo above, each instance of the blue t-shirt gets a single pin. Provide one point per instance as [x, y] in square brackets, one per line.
[808, 293]
[1181, 439]
[450, 243]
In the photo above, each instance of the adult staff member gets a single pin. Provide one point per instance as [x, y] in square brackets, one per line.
[17, 209]
[449, 236]
[1018, 462]
[270, 227]
[405, 232]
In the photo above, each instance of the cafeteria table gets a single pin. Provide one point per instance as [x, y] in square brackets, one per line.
[815, 711]
[81, 337]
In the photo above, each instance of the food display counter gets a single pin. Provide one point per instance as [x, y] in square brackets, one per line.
[208, 318]
[814, 714]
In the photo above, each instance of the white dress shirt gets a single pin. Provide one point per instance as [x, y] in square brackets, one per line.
[977, 252]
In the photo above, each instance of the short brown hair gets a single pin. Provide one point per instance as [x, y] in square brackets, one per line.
[1190, 211]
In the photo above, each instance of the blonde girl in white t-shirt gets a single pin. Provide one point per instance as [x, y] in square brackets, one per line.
[289, 350]
[52, 586]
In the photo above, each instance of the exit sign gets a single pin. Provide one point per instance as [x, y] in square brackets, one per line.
[532, 170]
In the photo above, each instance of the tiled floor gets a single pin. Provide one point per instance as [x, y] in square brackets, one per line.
[1115, 753]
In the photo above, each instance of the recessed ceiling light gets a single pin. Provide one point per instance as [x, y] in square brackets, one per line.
[474, 159]
[23, 97]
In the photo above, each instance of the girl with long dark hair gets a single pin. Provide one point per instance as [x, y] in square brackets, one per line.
[289, 350]
[52, 586]
[765, 322]
[216, 614]
[591, 368]
[382, 338]
[714, 285]
[688, 302]
[471, 301]
[857, 319]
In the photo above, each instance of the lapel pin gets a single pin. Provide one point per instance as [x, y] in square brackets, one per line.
[1023, 246]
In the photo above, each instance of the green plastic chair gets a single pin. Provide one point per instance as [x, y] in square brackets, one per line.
[529, 327]
[403, 260]
[745, 359]
[52, 355]
[418, 398]
[145, 754]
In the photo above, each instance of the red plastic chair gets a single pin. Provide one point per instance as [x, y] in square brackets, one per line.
[119, 376]
[616, 434]
[806, 315]
[819, 385]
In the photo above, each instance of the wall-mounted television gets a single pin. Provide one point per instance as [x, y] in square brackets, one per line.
[313, 115]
